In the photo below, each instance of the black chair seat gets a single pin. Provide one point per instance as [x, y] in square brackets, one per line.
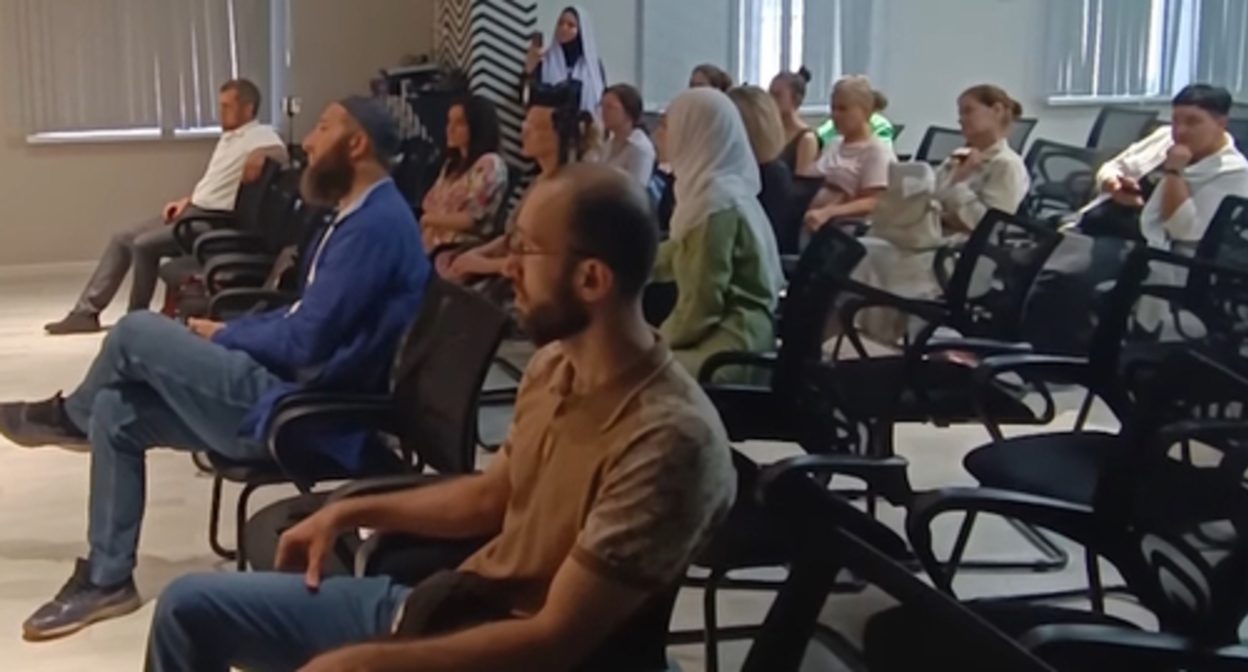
[1062, 466]
[266, 526]
[937, 391]
[750, 414]
[376, 460]
[749, 539]
[904, 638]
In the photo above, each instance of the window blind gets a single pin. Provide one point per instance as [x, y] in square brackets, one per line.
[145, 67]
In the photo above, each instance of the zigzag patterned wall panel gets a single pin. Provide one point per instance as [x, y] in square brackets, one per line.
[487, 39]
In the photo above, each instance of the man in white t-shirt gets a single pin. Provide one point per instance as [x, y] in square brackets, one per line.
[241, 151]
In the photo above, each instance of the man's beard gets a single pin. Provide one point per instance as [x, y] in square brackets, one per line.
[561, 317]
[326, 181]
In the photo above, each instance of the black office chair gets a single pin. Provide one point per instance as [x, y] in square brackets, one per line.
[1168, 511]
[827, 536]
[1116, 128]
[1143, 320]
[938, 144]
[1020, 131]
[897, 130]
[431, 405]
[1063, 179]
[781, 410]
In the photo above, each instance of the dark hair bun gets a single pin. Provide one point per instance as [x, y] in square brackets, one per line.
[1016, 108]
[803, 73]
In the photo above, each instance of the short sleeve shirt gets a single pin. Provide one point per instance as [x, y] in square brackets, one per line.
[629, 479]
[854, 167]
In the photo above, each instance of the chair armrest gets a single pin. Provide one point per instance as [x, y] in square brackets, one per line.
[226, 241]
[230, 303]
[887, 476]
[184, 231]
[372, 411]
[1045, 368]
[1129, 649]
[242, 270]
[867, 296]
[386, 484]
[1074, 521]
[984, 347]
[719, 360]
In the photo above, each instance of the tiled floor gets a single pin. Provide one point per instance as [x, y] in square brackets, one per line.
[43, 495]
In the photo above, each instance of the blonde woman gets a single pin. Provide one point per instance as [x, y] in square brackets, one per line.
[766, 134]
[854, 165]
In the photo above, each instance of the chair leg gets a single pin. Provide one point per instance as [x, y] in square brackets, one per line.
[959, 549]
[710, 616]
[1085, 409]
[1096, 591]
[240, 522]
[214, 522]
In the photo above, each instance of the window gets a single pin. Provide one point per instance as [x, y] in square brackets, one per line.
[1143, 50]
[832, 38]
[133, 69]
[753, 40]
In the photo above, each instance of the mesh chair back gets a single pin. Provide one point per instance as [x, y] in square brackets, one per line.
[1226, 239]
[1162, 302]
[1063, 177]
[440, 367]
[938, 144]
[829, 534]
[417, 169]
[831, 254]
[995, 272]
[1177, 502]
[255, 199]
[1238, 128]
[279, 212]
[1117, 127]
[1020, 131]
[897, 129]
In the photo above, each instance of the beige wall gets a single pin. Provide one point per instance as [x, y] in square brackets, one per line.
[61, 203]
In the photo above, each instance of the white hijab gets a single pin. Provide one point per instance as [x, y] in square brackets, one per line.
[715, 170]
[587, 70]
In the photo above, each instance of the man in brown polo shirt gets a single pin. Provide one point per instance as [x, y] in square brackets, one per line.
[615, 472]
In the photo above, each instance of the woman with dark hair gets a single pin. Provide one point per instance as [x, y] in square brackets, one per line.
[574, 55]
[801, 143]
[462, 205]
[628, 147]
[711, 76]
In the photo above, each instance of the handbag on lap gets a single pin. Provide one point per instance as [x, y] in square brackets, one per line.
[907, 214]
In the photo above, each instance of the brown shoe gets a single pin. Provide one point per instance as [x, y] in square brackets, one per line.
[74, 323]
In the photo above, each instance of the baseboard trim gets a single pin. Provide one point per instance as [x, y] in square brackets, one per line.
[28, 271]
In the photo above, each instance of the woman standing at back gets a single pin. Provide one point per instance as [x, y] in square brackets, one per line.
[574, 55]
[722, 253]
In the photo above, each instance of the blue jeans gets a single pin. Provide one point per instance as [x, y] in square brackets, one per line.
[265, 621]
[154, 384]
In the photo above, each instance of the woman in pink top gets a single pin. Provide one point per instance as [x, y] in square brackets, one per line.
[854, 165]
[461, 206]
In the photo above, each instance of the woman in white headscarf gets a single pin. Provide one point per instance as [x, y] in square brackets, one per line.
[722, 253]
[574, 55]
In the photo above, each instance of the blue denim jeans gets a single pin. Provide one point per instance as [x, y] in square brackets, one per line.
[265, 621]
[154, 384]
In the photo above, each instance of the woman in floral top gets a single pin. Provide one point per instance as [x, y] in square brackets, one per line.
[461, 206]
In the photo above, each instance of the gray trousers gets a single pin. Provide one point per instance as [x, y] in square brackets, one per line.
[140, 247]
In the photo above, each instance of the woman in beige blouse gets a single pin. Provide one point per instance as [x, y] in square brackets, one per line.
[986, 174]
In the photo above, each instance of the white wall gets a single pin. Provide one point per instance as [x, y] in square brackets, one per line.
[930, 51]
[934, 50]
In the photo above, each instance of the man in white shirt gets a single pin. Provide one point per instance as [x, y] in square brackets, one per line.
[1198, 164]
[241, 151]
